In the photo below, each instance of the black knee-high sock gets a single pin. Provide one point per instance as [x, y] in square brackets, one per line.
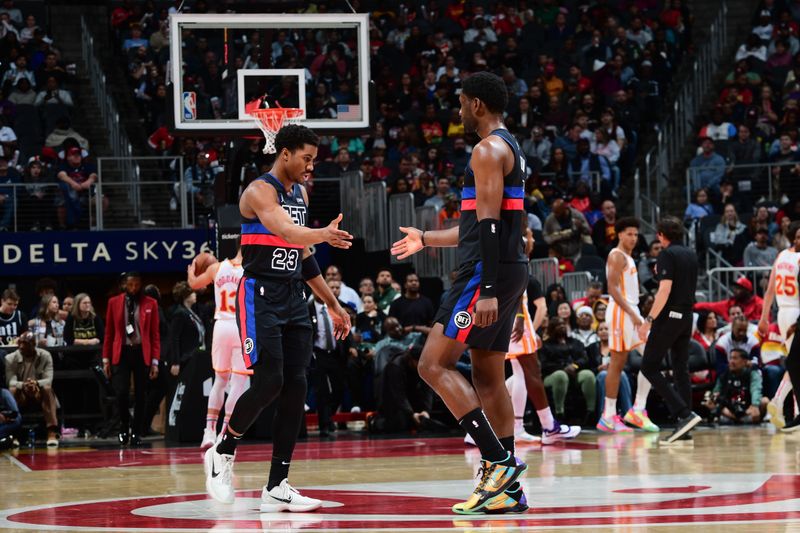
[289, 413]
[228, 443]
[508, 444]
[478, 427]
[265, 385]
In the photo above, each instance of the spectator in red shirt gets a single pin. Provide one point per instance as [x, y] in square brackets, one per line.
[742, 296]
[132, 346]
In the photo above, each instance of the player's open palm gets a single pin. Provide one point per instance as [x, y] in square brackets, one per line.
[408, 245]
[341, 322]
[338, 238]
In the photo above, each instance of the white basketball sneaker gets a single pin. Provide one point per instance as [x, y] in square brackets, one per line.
[524, 436]
[219, 475]
[284, 497]
[208, 439]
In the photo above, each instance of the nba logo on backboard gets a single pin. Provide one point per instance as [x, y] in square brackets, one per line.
[189, 105]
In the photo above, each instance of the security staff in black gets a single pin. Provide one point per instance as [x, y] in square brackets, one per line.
[273, 320]
[478, 311]
[670, 326]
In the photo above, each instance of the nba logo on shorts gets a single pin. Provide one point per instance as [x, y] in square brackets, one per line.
[248, 345]
[189, 105]
[462, 319]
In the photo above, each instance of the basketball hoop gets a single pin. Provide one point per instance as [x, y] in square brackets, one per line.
[271, 119]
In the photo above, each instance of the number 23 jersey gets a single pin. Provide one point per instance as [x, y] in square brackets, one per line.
[268, 256]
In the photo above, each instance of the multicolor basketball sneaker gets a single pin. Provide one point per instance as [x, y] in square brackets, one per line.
[640, 420]
[509, 502]
[613, 425]
[495, 478]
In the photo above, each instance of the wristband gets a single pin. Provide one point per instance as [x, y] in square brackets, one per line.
[520, 315]
[310, 268]
[422, 238]
[489, 239]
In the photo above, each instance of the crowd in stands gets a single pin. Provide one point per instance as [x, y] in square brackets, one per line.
[586, 85]
[46, 177]
[744, 177]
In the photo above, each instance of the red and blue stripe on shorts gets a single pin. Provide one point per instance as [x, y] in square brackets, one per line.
[465, 304]
[513, 199]
[246, 310]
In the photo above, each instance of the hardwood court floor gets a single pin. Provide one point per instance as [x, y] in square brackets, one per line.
[731, 480]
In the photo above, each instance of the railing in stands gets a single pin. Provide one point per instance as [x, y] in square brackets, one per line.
[661, 160]
[575, 284]
[401, 213]
[152, 208]
[426, 261]
[118, 138]
[545, 271]
[757, 179]
[364, 207]
[721, 278]
[152, 199]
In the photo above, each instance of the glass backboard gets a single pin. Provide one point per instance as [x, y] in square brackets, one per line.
[317, 62]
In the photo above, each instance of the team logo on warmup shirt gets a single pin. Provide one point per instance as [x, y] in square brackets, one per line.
[462, 319]
[248, 345]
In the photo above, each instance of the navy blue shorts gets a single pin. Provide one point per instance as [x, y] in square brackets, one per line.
[274, 322]
[455, 313]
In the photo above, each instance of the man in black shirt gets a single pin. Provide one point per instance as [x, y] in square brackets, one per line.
[414, 310]
[13, 322]
[671, 321]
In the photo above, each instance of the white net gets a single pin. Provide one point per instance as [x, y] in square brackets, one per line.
[271, 120]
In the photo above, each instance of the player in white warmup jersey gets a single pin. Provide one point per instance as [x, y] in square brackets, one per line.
[226, 346]
[624, 319]
[783, 289]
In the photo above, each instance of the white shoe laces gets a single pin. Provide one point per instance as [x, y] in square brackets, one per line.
[226, 472]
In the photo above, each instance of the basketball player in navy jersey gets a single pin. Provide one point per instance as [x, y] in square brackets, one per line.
[478, 312]
[272, 316]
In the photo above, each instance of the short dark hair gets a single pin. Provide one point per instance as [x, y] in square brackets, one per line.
[181, 291]
[743, 354]
[625, 223]
[489, 89]
[10, 294]
[294, 137]
[671, 228]
[596, 285]
[132, 274]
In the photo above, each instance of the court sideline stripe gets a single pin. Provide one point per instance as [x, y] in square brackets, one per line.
[14, 461]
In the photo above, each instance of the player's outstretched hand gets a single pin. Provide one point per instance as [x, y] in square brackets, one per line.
[408, 245]
[485, 312]
[341, 322]
[336, 237]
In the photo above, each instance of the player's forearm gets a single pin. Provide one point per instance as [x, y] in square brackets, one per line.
[660, 300]
[769, 298]
[301, 235]
[443, 238]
